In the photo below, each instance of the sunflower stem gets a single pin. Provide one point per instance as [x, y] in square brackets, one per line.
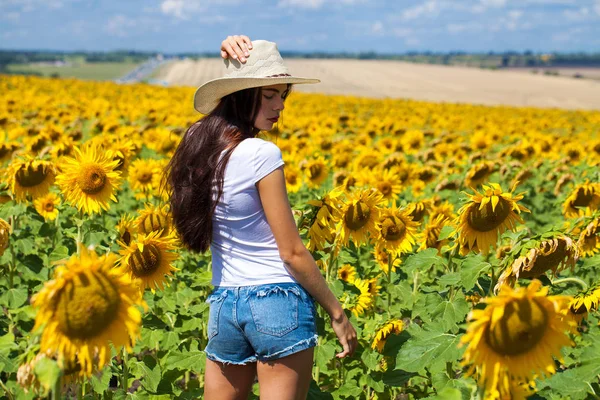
[125, 376]
[56, 390]
[79, 232]
[581, 283]
[389, 283]
[9, 395]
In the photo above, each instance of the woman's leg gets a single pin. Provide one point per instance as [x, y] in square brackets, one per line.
[286, 378]
[228, 382]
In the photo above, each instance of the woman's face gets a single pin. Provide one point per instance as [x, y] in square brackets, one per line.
[271, 106]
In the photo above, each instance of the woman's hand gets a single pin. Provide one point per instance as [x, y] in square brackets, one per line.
[236, 47]
[346, 335]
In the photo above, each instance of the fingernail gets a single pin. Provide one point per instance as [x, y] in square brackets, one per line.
[243, 58]
[235, 56]
[247, 54]
[249, 46]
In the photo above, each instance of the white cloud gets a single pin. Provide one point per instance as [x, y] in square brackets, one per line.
[11, 16]
[311, 4]
[515, 14]
[120, 25]
[184, 9]
[567, 36]
[597, 7]
[402, 32]
[30, 5]
[580, 14]
[429, 7]
[493, 3]
[377, 28]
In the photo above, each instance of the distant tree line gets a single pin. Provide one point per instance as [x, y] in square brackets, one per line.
[491, 59]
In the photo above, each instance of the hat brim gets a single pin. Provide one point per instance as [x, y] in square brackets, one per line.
[208, 95]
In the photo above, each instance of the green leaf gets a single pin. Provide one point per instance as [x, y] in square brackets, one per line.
[451, 279]
[451, 313]
[325, 353]
[350, 389]
[100, 384]
[150, 376]
[425, 305]
[7, 343]
[447, 394]
[396, 377]
[14, 297]
[422, 261]
[48, 372]
[192, 360]
[315, 393]
[25, 245]
[470, 270]
[428, 348]
[445, 232]
[58, 253]
[370, 358]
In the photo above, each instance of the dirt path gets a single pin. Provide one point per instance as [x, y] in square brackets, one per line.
[396, 79]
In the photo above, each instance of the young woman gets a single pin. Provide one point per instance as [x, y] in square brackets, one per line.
[229, 194]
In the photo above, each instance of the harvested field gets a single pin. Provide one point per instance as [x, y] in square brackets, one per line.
[397, 79]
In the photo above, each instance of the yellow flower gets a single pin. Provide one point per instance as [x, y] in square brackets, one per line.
[486, 216]
[89, 180]
[30, 177]
[293, 179]
[395, 327]
[47, 206]
[397, 231]
[5, 231]
[515, 337]
[589, 239]
[359, 215]
[142, 177]
[126, 228]
[347, 273]
[316, 171]
[85, 309]
[148, 258]
[154, 218]
[383, 259]
[366, 299]
[583, 200]
[583, 303]
[478, 174]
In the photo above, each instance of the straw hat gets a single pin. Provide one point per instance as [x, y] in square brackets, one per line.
[263, 67]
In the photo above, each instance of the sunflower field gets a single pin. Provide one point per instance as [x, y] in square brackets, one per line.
[463, 241]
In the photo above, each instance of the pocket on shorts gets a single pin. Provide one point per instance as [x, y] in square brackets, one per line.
[275, 309]
[216, 300]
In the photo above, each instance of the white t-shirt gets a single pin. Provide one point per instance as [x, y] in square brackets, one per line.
[244, 251]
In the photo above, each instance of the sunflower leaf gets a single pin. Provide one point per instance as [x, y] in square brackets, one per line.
[47, 371]
[470, 270]
[428, 348]
[451, 313]
[192, 360]
[14, 297]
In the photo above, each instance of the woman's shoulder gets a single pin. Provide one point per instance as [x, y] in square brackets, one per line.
[256, 144]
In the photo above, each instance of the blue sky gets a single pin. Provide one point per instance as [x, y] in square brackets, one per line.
[302, 25]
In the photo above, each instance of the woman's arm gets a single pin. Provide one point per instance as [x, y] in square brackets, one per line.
[297, 258]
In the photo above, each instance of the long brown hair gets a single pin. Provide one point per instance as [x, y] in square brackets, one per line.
[197, 165]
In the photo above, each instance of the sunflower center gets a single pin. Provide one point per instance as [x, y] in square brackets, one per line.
[145, 177]
[392, 228]
[87, 306]
[487, 219]
[292, 179]
[385, 188]
[357, 215]
[30, 176]
[583, 199]
[481, 173]
[121, 163]
[315, 171]
[49, 206]
[144, 263]
[126, 237]
[520, 329]
[418, 213]
[92, 179]
[550, 261]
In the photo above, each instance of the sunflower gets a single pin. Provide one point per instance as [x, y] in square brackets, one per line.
[89, 180]
[148, 258]
[432, 232]
[397, 232]
[27, 176]
[479, 173]
[322, 219]
[486, 216]
[589, 239]
[383, 259]
[515, 337]
[554, 254]
[154, 218]
[395, 327]
[122, 151]
[359, 215]
[293, 179]
[142, 177]
[583, 303]
[347, 273]
[87, 307]
[365, 300]
[315, 171]
[126, 228]
[584, 199]
[5, 231]
[387, 181]
[47, 206]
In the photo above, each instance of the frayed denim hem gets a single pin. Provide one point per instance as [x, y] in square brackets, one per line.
[212, 357]
[301, 345]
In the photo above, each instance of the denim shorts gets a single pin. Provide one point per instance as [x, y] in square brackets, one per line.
[259, 323]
